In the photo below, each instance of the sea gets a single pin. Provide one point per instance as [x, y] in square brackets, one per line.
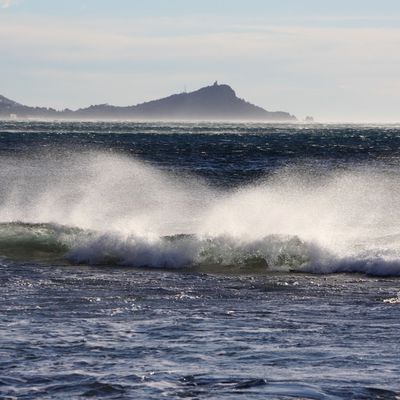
[199, 260]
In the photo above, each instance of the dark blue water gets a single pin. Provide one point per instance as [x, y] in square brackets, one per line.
[224, 154]
[199, 261]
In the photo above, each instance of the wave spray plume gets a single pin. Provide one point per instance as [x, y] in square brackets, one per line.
[101, 208]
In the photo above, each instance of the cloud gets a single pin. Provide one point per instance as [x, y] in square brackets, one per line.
[6, 3]
[294, 49]
[351, 52]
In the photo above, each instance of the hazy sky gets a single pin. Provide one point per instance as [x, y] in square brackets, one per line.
[334, 59]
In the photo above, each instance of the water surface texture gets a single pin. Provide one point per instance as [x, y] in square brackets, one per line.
[153, 260]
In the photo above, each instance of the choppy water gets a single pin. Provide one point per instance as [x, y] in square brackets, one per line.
[199, 261]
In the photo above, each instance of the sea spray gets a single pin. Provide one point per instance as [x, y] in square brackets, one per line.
[102, 192]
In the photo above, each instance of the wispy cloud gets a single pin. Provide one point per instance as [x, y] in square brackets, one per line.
[338, 49]
[6, 3]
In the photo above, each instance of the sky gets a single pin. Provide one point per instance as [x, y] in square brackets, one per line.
[335, 60]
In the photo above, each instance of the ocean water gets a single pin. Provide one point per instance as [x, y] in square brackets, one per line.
[155, 260]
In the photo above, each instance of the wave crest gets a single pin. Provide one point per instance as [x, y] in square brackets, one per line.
[41, 242]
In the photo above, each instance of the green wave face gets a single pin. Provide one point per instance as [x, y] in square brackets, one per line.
[51, 242]
[41, 243]
[35, 242]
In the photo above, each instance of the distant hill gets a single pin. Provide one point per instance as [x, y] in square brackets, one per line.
[216, 102]
[7, 103]
[11, 109]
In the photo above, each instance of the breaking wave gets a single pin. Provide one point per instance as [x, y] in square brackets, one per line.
[48, 242]
[110, 210]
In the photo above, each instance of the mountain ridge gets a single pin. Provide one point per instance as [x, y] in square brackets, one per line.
[215, 102]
